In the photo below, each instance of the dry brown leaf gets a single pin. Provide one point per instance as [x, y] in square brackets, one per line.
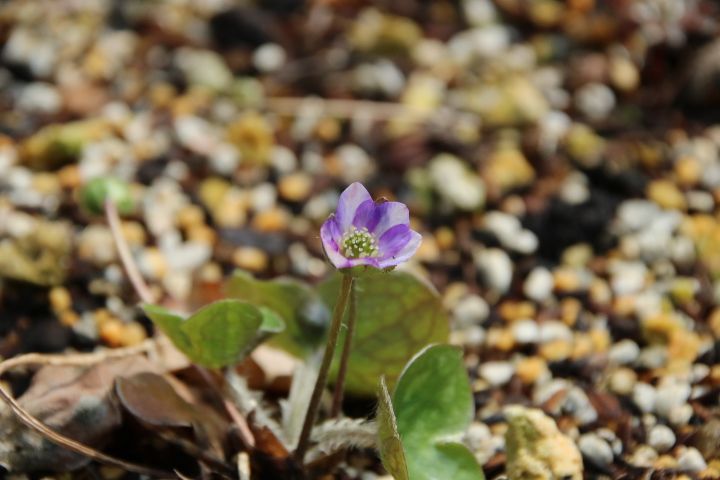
[74, 401]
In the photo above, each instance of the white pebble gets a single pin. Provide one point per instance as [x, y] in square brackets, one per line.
[622, 381]
[225, 159]
[682, 251]
[525, 242]
[595, 100]
[188, 256]
[496, 373]
[496, 267]
[554, 330]
[269, 57]
[644, 396]
[700, 201]
[477, 434]
[547, 390]
[627, 277]
[525, 331]
[40, 97]
[643, 456]
[355, 164]
[470, 310]
[283, 159]
[680, 415]
[456, 183]
[652, 357]
[197, 134]
[624, 352]
[178, 285]
[661, 438]
[634, 215]
[595, 449]
[670, 395]
[609, 436]
[578, 403]
[504, 226]
[538, 285]
[472, 336]
[691, 460]
[263, 197]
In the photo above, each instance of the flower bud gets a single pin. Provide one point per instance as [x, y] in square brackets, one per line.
[95, 192]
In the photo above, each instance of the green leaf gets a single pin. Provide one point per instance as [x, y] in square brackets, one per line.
[391, 449]
[171, 324]
[218, 334]
[397, 315]
[432, 402]
[271, 321]
[305, 316]
[423, 408]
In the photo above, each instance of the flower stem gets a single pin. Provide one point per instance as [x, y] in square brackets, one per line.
[131, 269]
[345, 357]
[321, 381]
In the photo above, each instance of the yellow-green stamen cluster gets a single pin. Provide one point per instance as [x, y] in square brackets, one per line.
[359, 243]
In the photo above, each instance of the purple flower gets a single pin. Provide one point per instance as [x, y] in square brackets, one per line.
[369, 233]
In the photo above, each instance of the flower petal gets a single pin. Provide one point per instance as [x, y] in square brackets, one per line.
[350, 199]
[364, 213]
[331, 236]
[393, 240]
[369, 261]
[404, 254]
[388, 215]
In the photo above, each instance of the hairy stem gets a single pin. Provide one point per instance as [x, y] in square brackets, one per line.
[321, 381]
[131, 269]
[345, 356]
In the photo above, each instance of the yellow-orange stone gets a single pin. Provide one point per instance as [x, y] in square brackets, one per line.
[511, 311]
[501, 339]
[666, 194]
[250, 258]
[556, 350]
[688, 171]
[60, 299]
[531, 369]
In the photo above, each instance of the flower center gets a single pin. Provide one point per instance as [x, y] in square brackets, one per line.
[359, 243]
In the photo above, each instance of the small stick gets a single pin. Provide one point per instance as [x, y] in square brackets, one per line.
[57, 438]
[347, 345]
[141, 288]
[346, 108]
[131, 269]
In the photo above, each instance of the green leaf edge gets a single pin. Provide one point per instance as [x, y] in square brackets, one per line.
[392, 452]
[172, 324]
[441, 443]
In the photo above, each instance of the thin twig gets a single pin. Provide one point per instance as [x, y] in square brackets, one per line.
[57, 438]
[346, 109]
[78, 359]
[321, 382]
[345, 357]
[131, 269]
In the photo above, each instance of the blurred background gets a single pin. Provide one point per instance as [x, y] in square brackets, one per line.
[560, 158]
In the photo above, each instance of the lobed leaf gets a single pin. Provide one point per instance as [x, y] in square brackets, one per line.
[219, 334]
[397, 315]
[304, 316]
